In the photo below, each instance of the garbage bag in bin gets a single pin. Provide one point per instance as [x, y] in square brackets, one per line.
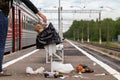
[47, 36]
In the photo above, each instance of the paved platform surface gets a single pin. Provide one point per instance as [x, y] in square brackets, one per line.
[37, 59]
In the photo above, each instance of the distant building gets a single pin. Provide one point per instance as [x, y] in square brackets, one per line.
[118, 38]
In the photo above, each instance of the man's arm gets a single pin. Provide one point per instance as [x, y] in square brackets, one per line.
[30, 5]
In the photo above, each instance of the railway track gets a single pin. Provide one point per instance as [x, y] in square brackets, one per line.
[106, 47]
[114, 63]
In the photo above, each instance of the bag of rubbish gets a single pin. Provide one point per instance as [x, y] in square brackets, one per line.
[62, 68]
[48, 36]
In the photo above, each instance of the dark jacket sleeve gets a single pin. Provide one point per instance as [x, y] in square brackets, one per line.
[30, 5]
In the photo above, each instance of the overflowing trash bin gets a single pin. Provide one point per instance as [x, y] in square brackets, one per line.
[50, 40]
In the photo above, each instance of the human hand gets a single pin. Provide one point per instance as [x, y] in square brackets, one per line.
[43, 17]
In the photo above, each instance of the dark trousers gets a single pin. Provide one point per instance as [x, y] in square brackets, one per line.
[3, 34]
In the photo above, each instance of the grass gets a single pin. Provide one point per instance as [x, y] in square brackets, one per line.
[118, 55]
[111, 44]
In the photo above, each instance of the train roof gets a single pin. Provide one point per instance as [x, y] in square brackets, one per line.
[25, 8]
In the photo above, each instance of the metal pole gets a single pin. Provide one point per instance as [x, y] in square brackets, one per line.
[78, 34]
[60, 26]
[82, 35]
[59, 21]
[108, 36]
[88, 33]
[100, 28]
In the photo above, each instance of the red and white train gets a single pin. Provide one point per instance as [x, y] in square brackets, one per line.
[21, 32]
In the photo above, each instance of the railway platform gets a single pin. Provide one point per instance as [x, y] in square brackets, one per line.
[16, 63]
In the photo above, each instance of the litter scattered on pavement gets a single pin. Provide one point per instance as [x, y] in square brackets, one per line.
[81, 76]
[63, 77]
[94, 63]
[84, 69]
[51, 74]
[29, 70]
[62, 68]
[102, 74]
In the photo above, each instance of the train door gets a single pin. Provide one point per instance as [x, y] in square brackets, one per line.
[16, 29]
[20, 29]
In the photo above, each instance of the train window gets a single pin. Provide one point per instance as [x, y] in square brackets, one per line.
[24, 24]
[17, 1]
[28, 23]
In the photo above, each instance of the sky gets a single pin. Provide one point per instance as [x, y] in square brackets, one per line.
[111, 9]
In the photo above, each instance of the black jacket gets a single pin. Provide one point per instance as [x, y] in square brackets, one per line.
[4, 6]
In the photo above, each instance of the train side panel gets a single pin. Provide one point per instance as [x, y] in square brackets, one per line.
[21, 28]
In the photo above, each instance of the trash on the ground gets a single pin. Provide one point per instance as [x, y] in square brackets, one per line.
[29, 70]
[94, 63]
[81, 76]
[52, 75]
[83, 69]
[62, 68]
[76, 76]
[39, 70]
[102, 74]
[63, 77]
[79, 72]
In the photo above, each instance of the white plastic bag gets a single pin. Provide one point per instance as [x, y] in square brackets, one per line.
[37, 71]
[59, 47]
[63, 68]
[29, 70]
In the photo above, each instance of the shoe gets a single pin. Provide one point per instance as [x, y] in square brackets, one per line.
[4, 73]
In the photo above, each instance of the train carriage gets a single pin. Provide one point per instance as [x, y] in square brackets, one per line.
[20, 29]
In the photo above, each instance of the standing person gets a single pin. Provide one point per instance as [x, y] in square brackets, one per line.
[4, 10]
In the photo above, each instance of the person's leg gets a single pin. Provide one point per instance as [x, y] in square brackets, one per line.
[3, 34]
